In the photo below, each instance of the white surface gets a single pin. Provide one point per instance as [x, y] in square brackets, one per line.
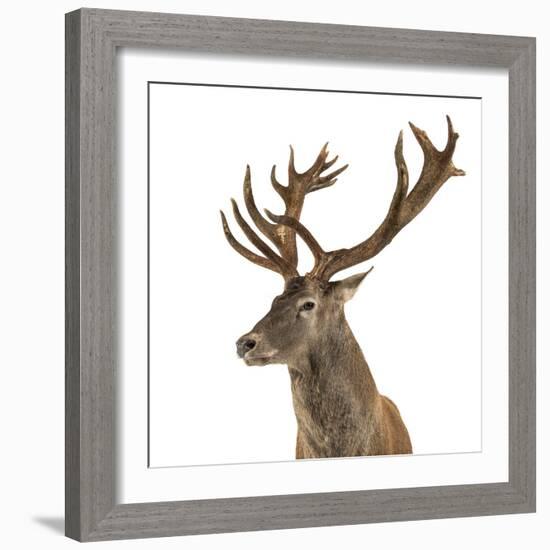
[31, 224]
[431, 274]
[425, 293]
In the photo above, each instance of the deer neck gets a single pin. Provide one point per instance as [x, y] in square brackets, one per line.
[334, 393]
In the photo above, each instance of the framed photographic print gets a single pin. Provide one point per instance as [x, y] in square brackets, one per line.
[352, 338]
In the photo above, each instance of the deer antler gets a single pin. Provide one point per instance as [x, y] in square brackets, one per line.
[281, 235]
[437, 169]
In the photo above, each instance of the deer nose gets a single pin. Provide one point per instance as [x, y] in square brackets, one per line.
[244, 344]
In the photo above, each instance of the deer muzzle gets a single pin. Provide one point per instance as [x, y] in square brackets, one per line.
[245, 344]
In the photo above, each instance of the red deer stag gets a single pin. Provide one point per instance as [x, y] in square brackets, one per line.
[338, 408]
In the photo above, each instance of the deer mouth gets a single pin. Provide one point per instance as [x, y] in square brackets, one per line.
[258, 360]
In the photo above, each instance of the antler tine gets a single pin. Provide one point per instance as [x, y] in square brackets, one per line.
[437, 169]
[284, 267]
[261, 223]
[245, 252]
[317, 181]
[281, 189]
[318, 167]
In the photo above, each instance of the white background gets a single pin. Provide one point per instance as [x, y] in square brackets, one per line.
[32, 293]
[424, 294]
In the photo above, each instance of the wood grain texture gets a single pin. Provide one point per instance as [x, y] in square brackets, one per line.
[92, 37]
[91, 258]
[522, 274]
[72, 277]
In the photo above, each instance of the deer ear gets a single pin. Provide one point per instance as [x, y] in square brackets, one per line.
[346, 288]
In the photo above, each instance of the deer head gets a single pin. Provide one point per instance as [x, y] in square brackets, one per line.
[312, 306]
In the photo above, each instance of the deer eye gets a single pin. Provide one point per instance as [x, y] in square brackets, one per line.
[308, 306]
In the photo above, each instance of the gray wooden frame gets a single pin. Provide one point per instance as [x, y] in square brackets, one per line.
[92, 38]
